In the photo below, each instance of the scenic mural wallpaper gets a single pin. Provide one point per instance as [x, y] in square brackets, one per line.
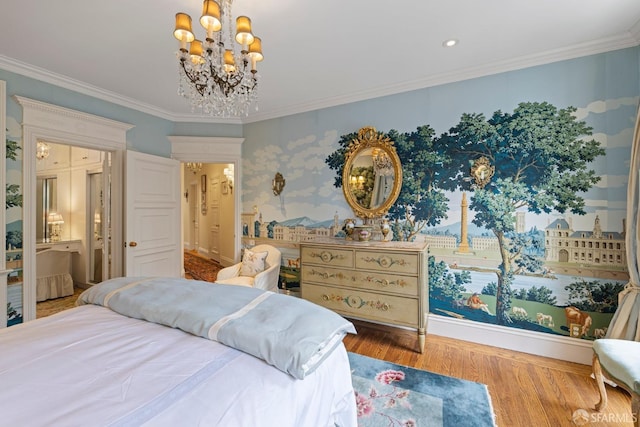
[532, 240]
[13, 239]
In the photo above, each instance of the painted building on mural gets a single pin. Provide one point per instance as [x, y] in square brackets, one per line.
[589, 247]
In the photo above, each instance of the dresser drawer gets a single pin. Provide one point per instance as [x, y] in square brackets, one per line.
[406, 263]
[365, 305]
[367, 280]
[327, 256]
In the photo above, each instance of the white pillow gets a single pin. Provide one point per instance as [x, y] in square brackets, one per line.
[252, 263]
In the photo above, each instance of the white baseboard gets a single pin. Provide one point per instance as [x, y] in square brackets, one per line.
[226, 261]
[538, 343]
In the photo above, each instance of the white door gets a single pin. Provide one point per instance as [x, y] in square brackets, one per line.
[152, 216]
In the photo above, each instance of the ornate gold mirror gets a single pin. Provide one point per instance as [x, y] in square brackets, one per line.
[372, 174]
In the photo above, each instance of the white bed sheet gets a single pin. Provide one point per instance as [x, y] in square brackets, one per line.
[92, 366]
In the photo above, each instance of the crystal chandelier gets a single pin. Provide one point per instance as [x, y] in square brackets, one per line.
[382, 163]
[212, 76]
[194, 167]
[42, 150]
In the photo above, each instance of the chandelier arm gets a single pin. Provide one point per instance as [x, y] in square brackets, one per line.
[200, 87]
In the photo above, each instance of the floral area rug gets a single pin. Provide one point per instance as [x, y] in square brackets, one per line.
[199, 268]
[391, 395]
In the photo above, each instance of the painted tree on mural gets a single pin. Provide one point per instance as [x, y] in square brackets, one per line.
[14, 198]
[594, 295]
[444, 284]
[541, 159]
[421, 202]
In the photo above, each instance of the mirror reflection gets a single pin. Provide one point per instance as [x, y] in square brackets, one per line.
[371, 178]
[46, 204]
[372, 174]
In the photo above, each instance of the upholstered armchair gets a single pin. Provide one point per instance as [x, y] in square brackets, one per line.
[243, 273]
[618, 361]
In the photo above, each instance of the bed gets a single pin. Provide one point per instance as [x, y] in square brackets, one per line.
[115, 360]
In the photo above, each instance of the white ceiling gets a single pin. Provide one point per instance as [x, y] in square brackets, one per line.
[317, 53]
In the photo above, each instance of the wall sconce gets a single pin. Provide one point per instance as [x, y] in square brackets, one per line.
[55, 221]
[278, 183]
[228, 173]
[482, 171]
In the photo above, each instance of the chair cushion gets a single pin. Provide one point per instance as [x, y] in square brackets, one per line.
[238, 280]
[621, 359]
[252, 263]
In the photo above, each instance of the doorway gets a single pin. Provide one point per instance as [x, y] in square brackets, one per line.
[73, 248]
[209, 211]
[53, 124]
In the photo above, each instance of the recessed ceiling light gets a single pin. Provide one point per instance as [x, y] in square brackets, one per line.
[450, 43]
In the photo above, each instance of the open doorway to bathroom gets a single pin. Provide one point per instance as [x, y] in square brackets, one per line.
[72, 224]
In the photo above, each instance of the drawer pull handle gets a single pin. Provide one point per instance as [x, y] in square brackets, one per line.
[325, 297]
[385, 283]
[385, 307]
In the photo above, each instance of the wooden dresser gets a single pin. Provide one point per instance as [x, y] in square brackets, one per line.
[382, 282]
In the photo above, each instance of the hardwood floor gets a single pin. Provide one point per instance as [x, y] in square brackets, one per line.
[526, 390]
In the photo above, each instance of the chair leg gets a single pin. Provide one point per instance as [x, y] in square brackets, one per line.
[597, 372]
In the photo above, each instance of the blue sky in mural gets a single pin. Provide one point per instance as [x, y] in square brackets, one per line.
[309, 182]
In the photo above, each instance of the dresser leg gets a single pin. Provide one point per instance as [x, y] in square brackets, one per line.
[421, 339]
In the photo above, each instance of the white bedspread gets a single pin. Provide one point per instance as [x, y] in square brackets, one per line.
[92, 366]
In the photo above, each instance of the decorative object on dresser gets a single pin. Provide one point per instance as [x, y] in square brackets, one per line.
[381, 282]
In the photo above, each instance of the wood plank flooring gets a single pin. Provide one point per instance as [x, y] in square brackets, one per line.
[526, 390]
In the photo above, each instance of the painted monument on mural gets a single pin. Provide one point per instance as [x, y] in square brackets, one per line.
[521, 230]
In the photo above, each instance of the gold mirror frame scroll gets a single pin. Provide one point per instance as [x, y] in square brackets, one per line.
[369, 138]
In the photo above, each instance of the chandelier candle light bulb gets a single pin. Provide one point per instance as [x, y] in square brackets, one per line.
[212, 77]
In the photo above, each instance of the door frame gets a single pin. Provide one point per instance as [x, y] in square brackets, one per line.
[3, 201]
[215, 150]
[51, 123]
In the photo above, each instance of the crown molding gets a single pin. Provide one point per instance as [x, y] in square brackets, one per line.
[630, 39]
[65, 82]
[37, 73]
[634, 32]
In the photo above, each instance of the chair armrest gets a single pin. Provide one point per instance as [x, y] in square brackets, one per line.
[268, 279]
[229, 272]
